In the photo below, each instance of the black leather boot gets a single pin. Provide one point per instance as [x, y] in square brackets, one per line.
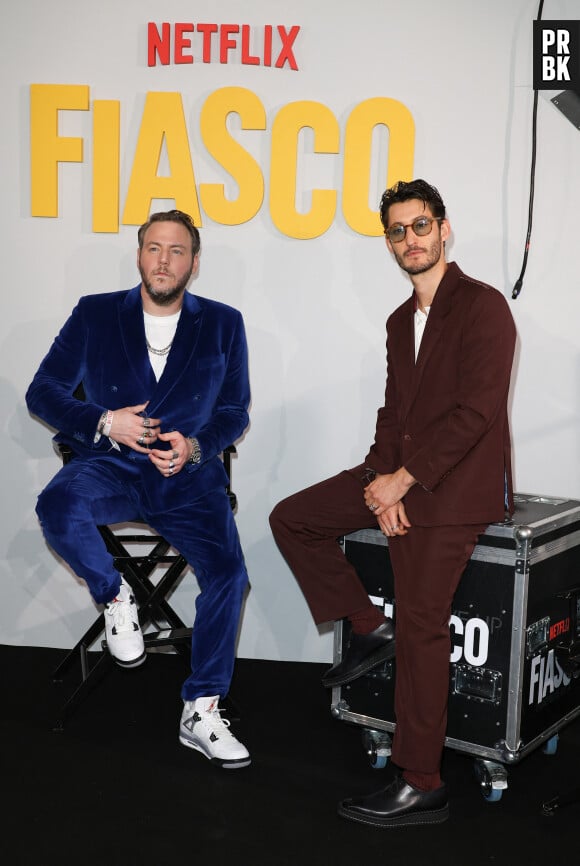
[363, 653]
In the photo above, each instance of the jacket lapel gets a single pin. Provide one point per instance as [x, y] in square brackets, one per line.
[179, 357]
[438, 313]
[133, 337]
[402, 353]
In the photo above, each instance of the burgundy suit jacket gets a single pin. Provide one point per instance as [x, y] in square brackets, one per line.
[445, 417]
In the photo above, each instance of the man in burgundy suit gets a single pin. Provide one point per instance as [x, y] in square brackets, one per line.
[438, 473]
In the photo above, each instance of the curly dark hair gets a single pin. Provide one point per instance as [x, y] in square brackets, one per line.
[405, 190]
[173, 216]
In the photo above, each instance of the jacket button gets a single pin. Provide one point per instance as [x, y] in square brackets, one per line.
[407, 437]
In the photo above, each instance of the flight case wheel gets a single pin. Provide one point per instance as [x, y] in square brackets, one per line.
[377, 745]
[492, 779]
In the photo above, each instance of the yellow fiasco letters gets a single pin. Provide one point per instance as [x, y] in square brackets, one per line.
[163, 123]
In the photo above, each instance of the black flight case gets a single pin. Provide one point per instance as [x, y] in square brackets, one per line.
[515, 635]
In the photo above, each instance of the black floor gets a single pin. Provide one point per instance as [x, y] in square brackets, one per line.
[117, 788]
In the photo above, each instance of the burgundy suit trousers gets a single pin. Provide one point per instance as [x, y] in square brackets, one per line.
[427, 564]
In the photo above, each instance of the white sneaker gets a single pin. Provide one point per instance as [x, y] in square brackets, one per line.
[203, 728]
[122, 629]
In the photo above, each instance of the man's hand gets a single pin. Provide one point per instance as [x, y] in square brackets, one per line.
[394, 521]
[383, 497]
[171, 462]
[130, 428]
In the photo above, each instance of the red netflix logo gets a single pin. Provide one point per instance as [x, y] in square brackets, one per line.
[223, 43]
[559, 628]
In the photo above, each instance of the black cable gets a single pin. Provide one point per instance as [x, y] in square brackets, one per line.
[519, 282]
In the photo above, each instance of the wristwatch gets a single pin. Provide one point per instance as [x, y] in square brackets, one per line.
[195, 450]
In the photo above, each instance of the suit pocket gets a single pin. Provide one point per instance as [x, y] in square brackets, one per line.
[212, 362]
[208, 375]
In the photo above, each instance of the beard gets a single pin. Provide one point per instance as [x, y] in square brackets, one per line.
[420, 266]
[165, 298]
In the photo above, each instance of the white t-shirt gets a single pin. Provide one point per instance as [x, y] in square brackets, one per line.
[420, 322]
[160, 331]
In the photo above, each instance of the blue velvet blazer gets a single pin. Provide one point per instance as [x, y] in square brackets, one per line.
[204, 390]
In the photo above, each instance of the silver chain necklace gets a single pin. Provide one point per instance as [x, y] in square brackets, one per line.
[160, 352]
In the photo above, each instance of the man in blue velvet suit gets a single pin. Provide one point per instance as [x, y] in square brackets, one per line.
[165, 381]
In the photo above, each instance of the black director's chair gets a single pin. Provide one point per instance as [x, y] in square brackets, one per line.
[82, 669]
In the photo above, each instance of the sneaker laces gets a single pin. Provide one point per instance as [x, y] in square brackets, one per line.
[120, 612]
[213, 721]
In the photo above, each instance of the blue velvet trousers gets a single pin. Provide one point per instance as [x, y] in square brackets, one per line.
[87, 493]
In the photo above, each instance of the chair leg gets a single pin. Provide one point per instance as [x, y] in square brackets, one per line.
[80, 650]
[91, 667]
[91, 678]
[91, 672]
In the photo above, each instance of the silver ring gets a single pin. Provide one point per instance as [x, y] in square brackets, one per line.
[140, 440]
[171, 464]
[147, 422]
[373, 507]
[170, 470]
[175, 455]
[396, 526]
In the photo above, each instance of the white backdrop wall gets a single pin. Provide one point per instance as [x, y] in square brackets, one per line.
[314, 309]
